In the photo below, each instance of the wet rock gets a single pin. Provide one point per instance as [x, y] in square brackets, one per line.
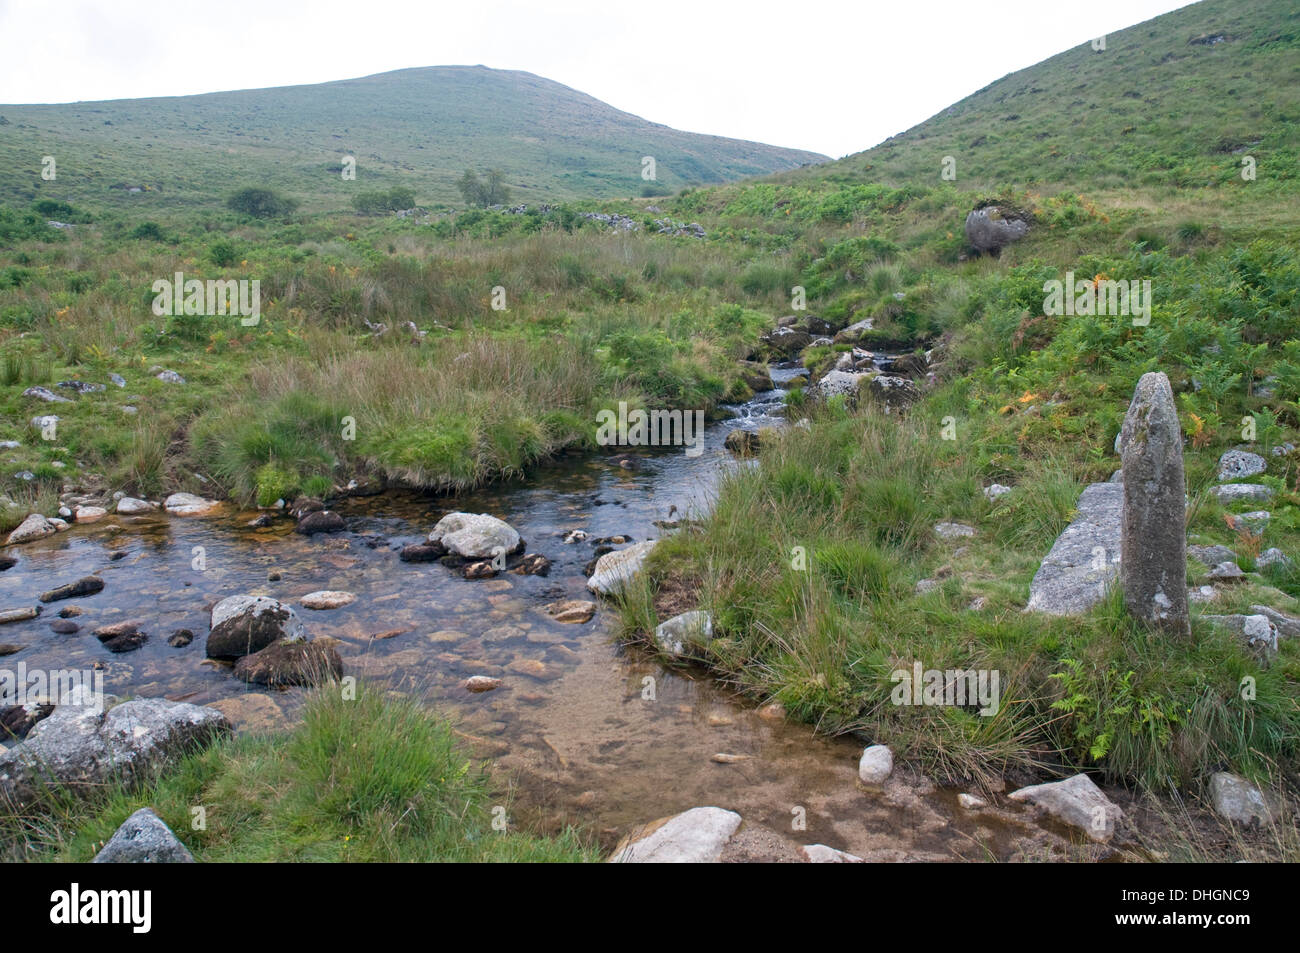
[245, 624]
[7, 562]
[130, 506]
[773, 711]
[422, 553]
[180, 638]
[83, 747]
[1076, 802]
[35, 526]
[573, 611]
[262, 522]
[970, 802]
[366, 486]
[320, 521]
[574, 536]
[64, 627]
[613, 571]
[478, 684]
[909, 365]
[121, 637]
[304, 505]
[1236, 464]
[744, 443]
[757, 377]
[876, 765]
[483, 569]
[89, 514]
[16, 721]
[693, 837]
[273, 576]
[681, 632]
[1153, 541]
[1229, 493]
[86, 586]
[476, 535]
[21, 614]
[328, 599]
[282, 664]
[9, 648]
[144, 839]
[821, 854]
[533, 564]
[787, 341]
[1237, 800]
[69, 612]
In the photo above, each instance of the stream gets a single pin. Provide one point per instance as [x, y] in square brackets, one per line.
[572, 728]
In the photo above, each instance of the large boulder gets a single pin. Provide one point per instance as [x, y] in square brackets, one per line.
[143, 838]
[894, 392]
[82, 746]
[35, 526]
[856, 333]
[320, 521]
[475, 536]
[1076, 802]
[696, 836]
[242, 625]
[1153, 543]
[990, 227]
[844, 384]
[613, 571]
[787, 342]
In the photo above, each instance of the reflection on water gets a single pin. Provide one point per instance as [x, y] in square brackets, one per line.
[574, 725]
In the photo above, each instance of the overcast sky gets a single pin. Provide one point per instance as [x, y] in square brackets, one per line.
[833, 77]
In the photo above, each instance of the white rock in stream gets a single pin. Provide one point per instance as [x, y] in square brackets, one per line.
[475, 535]
[615, 570]
[328, 599]
[1077, 802]
[696, 836]
[187, 504]
[682, 631]
[876, 765]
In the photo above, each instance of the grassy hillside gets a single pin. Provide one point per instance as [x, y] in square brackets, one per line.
[1175, 101]
[419, 128]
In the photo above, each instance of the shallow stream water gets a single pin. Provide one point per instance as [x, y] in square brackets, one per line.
[572, 729]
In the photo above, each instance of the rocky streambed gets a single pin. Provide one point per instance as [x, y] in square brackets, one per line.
[590, 733]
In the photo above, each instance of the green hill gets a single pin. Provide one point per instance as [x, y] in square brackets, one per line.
[1176, 100]
[419, 128]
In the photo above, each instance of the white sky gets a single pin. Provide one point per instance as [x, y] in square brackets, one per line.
[833, 77]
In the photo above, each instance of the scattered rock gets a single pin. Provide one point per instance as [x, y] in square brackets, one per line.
[876, 765]
[1229, 493]
[42, 393]
[281, 664]
[613, 571]
[1253, 523]
[681, 632]
[574, 536]
[328, 599]
[1212, 556]
[787, 341]
[1077, 802]
[422, 553]
[1258, 631]
[573, 611]
[533, 564]
[953, 530]
[1237, 800]
[481, 683]
[144, 839]
[844, 384]
[89, 514]
[21, 614]
[86, 586]
[64, 627]
[744, 443]
[170, 377]
[9, 648]
[1287, 627]
[83, 747]
[996, 490]
[1227, 572]
[483, 569]
[693, 837]
[242, 625]
[180, 638]
[970, 802]
[1270, 557]
[1236, 464]
[893, 392]
[476, 536]
[121, 637]
[320, 521]
[35, 526]
[855, 333]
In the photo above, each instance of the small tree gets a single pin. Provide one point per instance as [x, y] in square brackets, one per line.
[395, 199]
[485, 192]
[261, 203]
